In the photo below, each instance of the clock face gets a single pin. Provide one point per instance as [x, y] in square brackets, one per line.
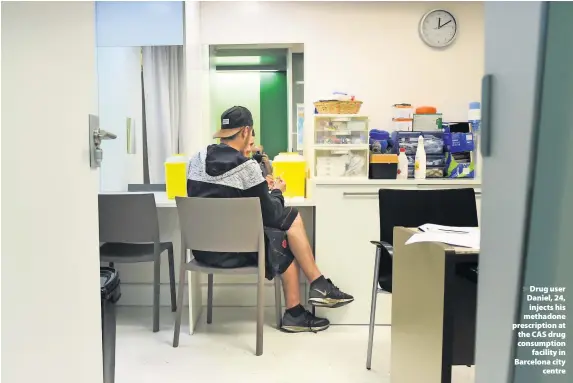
[438, 28]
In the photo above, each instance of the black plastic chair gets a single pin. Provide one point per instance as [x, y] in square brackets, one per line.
[129, 228]
[413, 208]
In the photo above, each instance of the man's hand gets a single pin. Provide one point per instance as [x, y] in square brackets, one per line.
[270, 181]
[267, 163]
[280, 184]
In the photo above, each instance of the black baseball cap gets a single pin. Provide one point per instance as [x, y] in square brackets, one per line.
[233, 120]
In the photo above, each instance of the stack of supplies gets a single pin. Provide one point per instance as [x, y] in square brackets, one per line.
[433, 146]
[402, 117]
[379, 141]
[459, 148]
[427, 118]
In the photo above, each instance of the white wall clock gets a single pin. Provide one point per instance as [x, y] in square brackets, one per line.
[438, 28]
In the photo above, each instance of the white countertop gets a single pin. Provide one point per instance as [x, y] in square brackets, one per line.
[161, 199]
[407, 182]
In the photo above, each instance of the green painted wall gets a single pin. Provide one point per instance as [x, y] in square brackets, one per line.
[274, 113]
[265, 95]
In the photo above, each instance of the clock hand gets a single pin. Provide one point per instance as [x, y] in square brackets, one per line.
[439, 22]
[445, 24]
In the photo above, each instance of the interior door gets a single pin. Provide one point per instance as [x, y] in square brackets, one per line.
[509, 117]
[50, 265]
[548, 262]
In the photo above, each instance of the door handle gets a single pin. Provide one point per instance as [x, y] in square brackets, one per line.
[130, 134]
[96, 135]
[485, 140]
[104, 135]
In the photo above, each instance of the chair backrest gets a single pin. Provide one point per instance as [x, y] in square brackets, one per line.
[412, 208]
[129, 218]
[146, 188]
[221, 224]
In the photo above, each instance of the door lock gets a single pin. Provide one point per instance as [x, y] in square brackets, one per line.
[96, 136]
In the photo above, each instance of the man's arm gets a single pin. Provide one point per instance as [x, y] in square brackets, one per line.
[276, 193]
[272, 204]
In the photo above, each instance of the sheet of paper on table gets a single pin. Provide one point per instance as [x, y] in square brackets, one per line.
[452, 235]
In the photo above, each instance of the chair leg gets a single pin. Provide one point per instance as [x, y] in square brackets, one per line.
[180, 293]
[156, 292]
[373, 309]
[209, 298]
[278, 301]
[260, 312]
[172, 287]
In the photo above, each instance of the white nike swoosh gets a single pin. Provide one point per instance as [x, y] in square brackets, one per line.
[322, 292]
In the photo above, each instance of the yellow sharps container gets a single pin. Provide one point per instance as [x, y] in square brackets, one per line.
[291, 167]
[176, 176]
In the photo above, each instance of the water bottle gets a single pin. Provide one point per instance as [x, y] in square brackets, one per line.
[474, 119]
[402, 173]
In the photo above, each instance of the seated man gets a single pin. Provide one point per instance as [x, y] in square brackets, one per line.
[223, 171]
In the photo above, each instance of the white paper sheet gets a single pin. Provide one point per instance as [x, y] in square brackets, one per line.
[456, 236]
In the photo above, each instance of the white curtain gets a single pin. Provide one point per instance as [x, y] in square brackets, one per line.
[163, 81]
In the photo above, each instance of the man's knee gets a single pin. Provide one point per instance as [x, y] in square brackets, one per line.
[297, 223]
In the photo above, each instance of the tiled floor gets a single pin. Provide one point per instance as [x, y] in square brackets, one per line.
[224, 352]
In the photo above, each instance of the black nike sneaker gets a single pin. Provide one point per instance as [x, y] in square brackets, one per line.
[323, 293]
[305, 322]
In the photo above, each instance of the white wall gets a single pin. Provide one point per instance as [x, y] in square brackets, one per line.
[195, 131]
[369, 48]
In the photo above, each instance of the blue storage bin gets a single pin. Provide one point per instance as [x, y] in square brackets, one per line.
[459, 142]
[437, 160]
[433, 142]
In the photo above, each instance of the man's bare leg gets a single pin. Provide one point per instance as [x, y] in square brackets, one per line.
[322, 291]
[300, 247]
[291, 286]
[296, 318]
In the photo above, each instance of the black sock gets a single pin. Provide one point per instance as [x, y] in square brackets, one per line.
[320, 281]
[296, 311]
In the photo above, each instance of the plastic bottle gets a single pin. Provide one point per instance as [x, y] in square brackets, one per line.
[420, 162]
[474, 119]
[402, 165]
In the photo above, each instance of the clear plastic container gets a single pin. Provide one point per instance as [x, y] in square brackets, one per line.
[433, 142]
[437, 160]
[341, 131]
[341, 163]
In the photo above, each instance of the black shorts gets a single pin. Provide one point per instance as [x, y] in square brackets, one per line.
[278, 256]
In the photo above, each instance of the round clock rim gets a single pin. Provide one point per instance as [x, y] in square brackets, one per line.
[423, 36]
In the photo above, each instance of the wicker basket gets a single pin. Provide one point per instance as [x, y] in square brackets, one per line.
[338, 107]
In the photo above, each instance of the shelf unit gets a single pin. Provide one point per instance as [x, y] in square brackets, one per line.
[340, 146]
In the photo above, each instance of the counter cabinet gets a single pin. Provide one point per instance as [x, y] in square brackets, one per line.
[347, 219]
